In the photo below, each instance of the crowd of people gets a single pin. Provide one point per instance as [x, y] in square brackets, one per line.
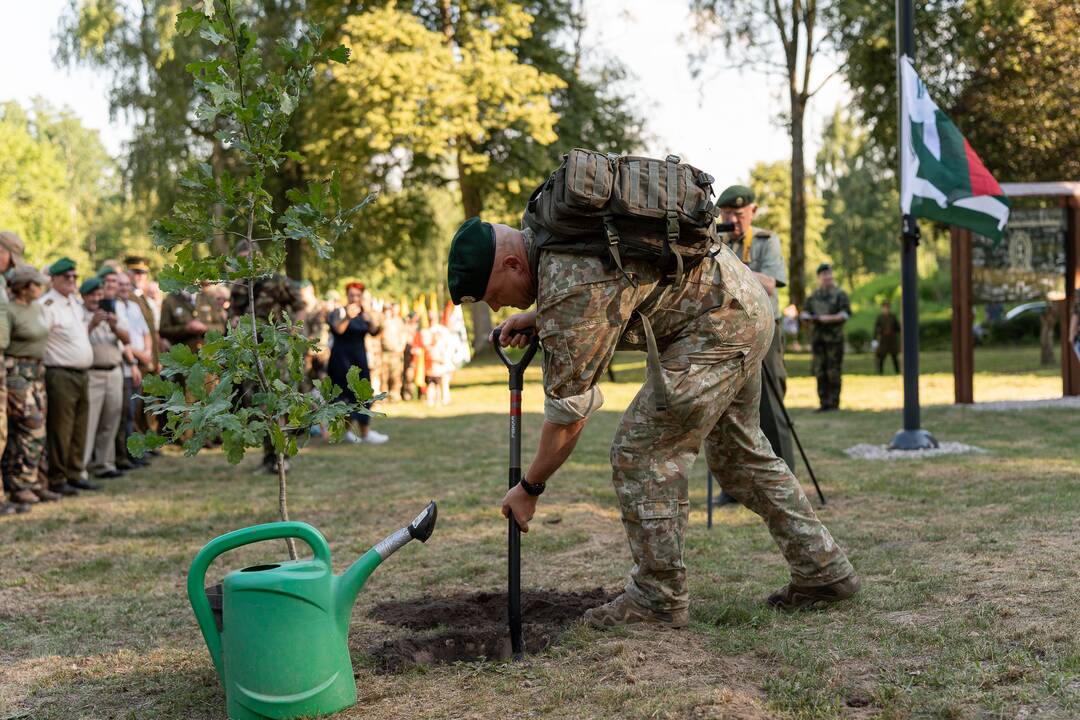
[73, 355]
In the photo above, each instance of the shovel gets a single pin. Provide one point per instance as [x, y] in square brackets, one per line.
[513, 544]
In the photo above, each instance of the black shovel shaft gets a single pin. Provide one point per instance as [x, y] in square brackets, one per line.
[771, 385]
[513, 540]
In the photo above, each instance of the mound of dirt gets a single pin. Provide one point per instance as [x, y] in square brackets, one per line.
[469, 627]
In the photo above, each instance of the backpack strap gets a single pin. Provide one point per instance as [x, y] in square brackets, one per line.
[612, 234]
[652, 363]
[671, 242]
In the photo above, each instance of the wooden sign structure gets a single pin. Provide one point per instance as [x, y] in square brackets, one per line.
[1037, 229]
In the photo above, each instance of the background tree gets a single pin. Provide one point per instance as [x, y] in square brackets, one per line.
[783, 37]
[860, 201]
[59, 189]
[1003, 70]
[772, 186]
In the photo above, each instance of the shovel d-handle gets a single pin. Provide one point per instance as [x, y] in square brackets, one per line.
[517, 370]
[238, 538]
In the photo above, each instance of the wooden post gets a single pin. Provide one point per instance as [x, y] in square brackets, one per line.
[1070, 366]
[963, 335]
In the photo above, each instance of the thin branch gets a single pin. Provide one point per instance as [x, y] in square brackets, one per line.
[838, 71]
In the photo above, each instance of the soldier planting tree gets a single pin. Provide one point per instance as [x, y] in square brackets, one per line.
[713, 331]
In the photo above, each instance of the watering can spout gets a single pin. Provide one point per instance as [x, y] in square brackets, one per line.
[353, 579]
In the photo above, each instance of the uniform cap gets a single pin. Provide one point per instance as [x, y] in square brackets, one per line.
[13, 244]
[105, 271]
[89, 285]
[61, 266]
[472, 255]
[736, 196]
[137, 264]
[26, 274]
[823, 267]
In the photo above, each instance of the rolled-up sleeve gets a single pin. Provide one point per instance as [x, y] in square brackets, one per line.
[581, 313]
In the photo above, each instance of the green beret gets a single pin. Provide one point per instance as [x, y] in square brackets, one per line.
[472, 255]
[61, 266]
[736, 196]
[89, 285]
[823, 267]
[106, 270]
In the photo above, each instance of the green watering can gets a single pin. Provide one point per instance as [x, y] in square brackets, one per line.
[281, 649]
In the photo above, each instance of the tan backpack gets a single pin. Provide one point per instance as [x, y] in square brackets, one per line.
[623, 206]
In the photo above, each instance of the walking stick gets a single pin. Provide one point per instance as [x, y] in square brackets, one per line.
[513, 544]
[771, 384]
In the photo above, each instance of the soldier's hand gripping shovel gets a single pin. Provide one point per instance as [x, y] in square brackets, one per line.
[513, 547]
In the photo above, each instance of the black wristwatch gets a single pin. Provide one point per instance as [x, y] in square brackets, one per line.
[531, 489]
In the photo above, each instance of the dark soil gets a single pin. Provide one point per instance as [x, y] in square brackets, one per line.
[461, 628]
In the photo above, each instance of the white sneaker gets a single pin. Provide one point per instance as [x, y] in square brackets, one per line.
[351, 437]
[374, 437]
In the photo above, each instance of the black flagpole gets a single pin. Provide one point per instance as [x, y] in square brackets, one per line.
[912, 437]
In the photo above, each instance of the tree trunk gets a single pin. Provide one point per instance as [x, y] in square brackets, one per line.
[797, 258]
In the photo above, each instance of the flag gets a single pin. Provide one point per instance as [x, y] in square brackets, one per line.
[941, 177]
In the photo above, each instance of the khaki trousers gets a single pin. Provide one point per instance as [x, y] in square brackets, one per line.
[106, 399]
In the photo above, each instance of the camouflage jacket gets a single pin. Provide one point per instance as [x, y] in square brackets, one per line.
[828, 302]
[274, 295]
[586, 310]
[178, 309]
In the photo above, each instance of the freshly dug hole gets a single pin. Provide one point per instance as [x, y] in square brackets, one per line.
[473, 626]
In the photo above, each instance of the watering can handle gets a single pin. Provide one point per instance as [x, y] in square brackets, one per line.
[230, 541]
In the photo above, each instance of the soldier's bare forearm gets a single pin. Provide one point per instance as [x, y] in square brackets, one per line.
[556, 444]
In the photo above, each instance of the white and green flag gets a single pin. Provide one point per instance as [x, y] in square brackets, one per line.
[941, 177]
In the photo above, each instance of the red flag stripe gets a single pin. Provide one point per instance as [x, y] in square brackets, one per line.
[982, 182]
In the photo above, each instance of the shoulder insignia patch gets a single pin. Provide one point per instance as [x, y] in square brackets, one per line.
[48, 302]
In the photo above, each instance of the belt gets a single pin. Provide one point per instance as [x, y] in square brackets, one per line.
[69, 369]
[104, 367]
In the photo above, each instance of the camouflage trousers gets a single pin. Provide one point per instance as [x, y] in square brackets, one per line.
[827, 367]
[25, 422]
[712, 373]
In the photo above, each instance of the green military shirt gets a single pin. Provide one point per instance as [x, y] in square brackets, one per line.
[29, 333]
[764, 256]
[828, 302]
[178, 309]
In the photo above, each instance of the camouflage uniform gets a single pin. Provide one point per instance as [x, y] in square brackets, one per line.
[275, 296]
[827, 343]
[713, 332]
[887, 334]
[393, 356]
[765, 256]
[26, 422]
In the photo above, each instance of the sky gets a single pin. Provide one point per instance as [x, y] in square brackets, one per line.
[723, 130]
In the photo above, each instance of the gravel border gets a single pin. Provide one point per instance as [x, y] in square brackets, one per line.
[1071, 401]
[865, 451]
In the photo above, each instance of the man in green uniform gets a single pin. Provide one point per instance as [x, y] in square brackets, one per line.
[760, 250]
[827, 309]
[712, 332]
[184, 319]
[887, 336]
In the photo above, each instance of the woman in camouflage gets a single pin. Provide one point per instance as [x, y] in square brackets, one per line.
[26, 386]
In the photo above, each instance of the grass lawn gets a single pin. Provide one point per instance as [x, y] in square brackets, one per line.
[969, 564]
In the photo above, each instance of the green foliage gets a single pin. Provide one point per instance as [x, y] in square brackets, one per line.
[861, 202]
[58, 187]
[1003, 70]
[243, 386]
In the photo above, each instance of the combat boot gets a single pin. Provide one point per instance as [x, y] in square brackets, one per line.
[794, 597]
[623, 610]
